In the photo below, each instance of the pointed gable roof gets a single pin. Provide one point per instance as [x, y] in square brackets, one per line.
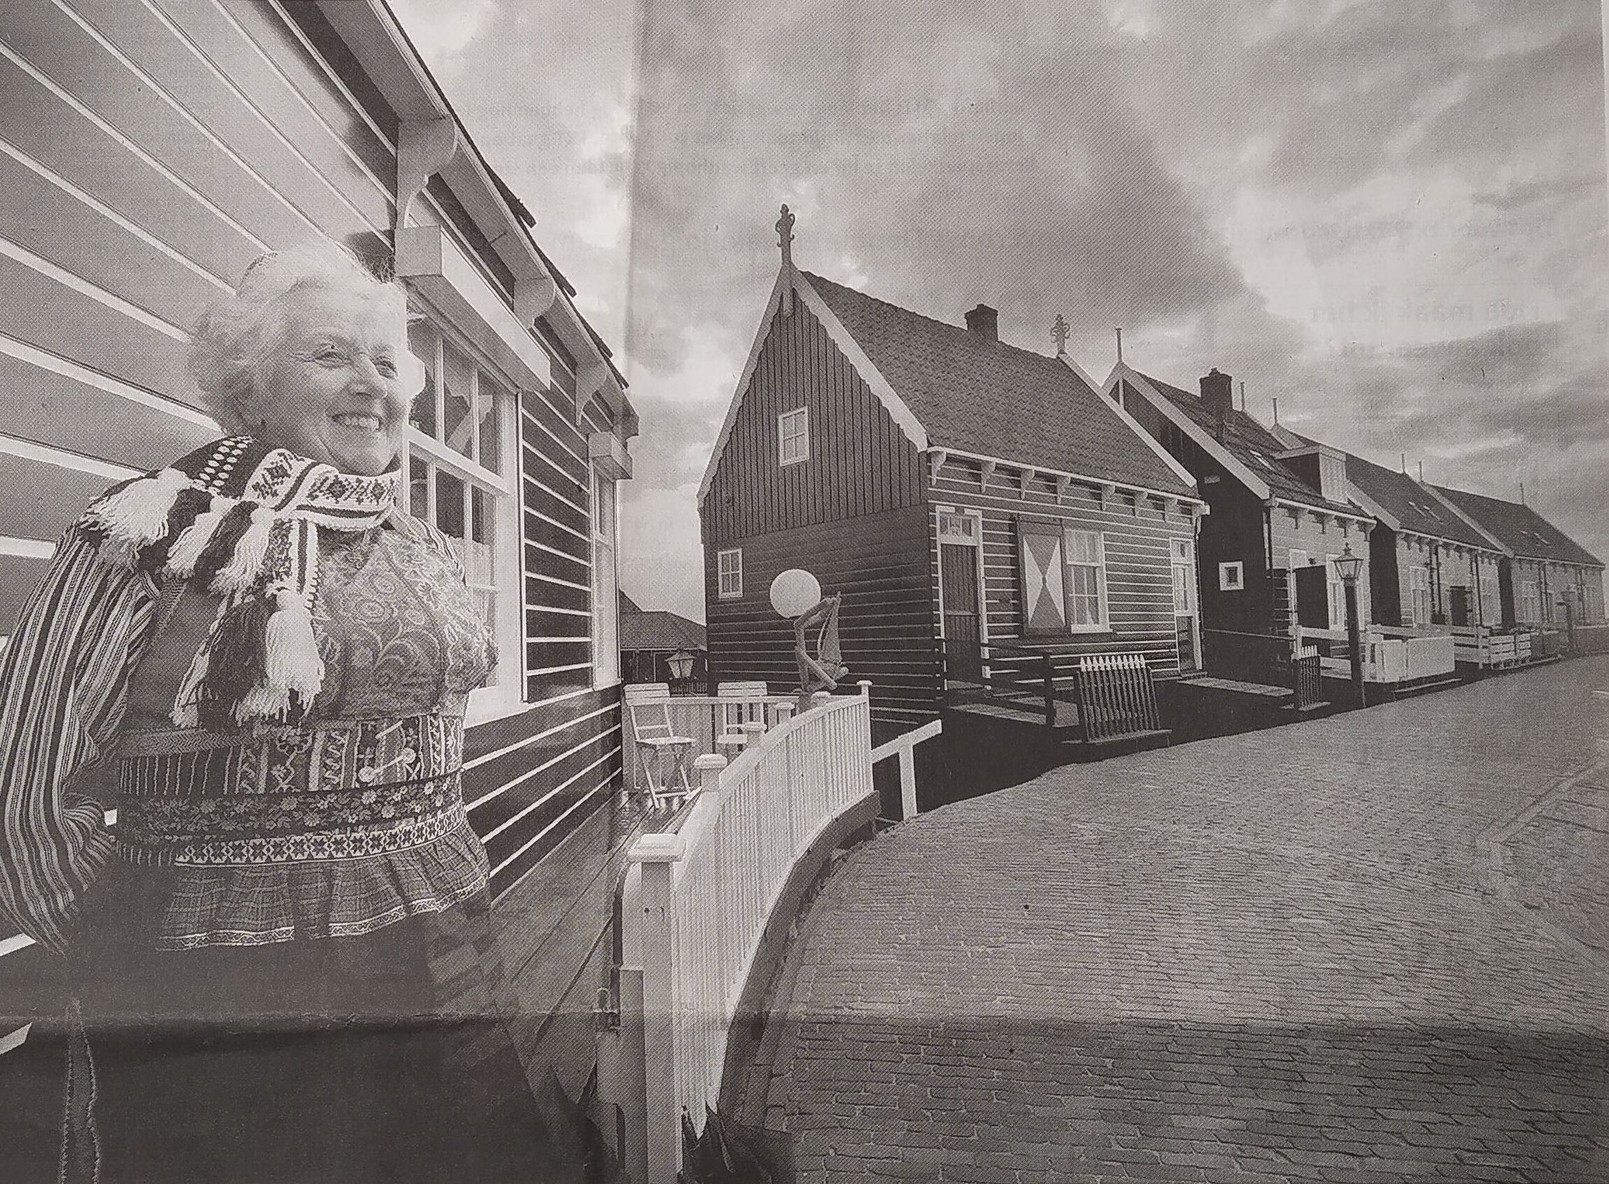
[1520, 528]
[1415, 507]
[976, 395]
[1253, 445]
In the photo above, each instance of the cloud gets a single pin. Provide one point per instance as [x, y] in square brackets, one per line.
[1389, 216]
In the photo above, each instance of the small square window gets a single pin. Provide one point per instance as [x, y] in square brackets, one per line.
[793, 436]
[729, 574]
[1231, 576]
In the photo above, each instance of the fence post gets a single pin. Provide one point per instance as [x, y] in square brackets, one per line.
[656, 853]
[907, 782]
[1047, 678]
[865, 686]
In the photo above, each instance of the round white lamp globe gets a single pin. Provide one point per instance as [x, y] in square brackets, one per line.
[795, 592]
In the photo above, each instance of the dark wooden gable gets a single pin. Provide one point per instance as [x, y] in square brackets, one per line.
[860, 462]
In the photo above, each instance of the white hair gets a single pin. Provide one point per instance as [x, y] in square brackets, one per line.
[237, 340]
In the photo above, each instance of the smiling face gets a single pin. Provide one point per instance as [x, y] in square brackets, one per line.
[332, 391]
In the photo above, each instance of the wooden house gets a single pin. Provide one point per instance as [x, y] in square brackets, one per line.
[1429, 564]
[1280, 517]
[151, 153]
[966, 497]
[1543, 567]
[648, 639]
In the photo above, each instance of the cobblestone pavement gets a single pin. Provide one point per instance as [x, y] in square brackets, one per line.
[1367, 948]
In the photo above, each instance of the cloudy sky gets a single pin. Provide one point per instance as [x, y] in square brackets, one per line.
[1390, 216]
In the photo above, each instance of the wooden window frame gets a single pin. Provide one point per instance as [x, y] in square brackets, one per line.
[502, 484]
[722, 591]
[1104, 624]
[785, 436]
[605, 579]
[1232, 576]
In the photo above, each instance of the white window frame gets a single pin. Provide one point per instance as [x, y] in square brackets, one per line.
[793, 428]
[733, 589]
[507, 693]
[1337, 594]
[1183, 552]
[1104, 623]
[1232, 576]
[605, 531]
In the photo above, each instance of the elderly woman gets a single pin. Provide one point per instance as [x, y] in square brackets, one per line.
[280, 952]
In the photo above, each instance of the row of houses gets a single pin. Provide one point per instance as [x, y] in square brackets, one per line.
[971, 500]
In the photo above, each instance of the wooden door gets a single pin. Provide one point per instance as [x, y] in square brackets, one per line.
[1313, 597]
[958, 580]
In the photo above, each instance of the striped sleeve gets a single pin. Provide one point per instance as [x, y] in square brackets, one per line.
[63, 687]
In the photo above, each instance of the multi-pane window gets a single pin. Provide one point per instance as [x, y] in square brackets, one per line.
[1231, 576]
[605, 597]
[456, 467]
[793, 436]
[1084, 558]
[729, 574]
[1530, 602]
[1337, 593]
[1419, 592]
[1184, 583]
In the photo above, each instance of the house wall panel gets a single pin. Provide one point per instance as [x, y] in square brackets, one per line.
[143, 184]
[42, 499]
[1137, 539]
[1319, 539]
[880, 565]
[860, 463]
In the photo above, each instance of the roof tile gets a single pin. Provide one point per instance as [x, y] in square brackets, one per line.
[976, 395]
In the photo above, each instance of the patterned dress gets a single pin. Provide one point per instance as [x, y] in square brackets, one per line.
[284, 969]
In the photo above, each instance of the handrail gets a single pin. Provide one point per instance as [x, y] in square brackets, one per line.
[904, 747]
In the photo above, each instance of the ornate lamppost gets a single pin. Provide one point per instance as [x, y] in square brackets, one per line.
[1348, 566]
[681, 670]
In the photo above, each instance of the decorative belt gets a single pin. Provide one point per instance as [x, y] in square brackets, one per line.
[331, 791]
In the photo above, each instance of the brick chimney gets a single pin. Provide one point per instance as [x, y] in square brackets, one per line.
[985, 322]
[1218, 396]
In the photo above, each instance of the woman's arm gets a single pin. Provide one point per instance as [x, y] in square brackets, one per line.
[63, 685]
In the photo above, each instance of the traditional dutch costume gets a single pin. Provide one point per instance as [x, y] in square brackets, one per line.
[281, 958]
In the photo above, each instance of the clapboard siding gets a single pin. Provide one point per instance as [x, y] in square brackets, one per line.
[42, 500]
[879, 564]
[860, 462]
[52, 401]
[88, 326]
[56, 132]
[1136, 531]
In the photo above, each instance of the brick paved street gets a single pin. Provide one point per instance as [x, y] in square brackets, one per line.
[1368, 948]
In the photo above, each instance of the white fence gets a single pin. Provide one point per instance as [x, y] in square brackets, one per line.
[1407, 659]
[702, 719]
[696, 906]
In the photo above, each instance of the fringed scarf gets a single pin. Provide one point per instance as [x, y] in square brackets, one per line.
[240, 520]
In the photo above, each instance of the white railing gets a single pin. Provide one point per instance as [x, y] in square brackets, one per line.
[696, 905]
[1425, 657]
[702, 719]
[903, 746]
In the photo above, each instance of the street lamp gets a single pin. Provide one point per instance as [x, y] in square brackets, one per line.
[1349, 566]
[681, 667]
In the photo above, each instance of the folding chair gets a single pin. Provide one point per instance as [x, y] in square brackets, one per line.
[740, 721]
[662, 753]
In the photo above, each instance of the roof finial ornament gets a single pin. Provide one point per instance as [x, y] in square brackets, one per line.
[1059, 332]
[785, 241]
[785, 236]
[1120, 347]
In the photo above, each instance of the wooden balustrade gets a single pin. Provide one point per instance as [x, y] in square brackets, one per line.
[698, 905]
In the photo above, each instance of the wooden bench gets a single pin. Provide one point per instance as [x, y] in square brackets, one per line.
[1116, 699]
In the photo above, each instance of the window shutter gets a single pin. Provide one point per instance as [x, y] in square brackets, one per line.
[1044, 608]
